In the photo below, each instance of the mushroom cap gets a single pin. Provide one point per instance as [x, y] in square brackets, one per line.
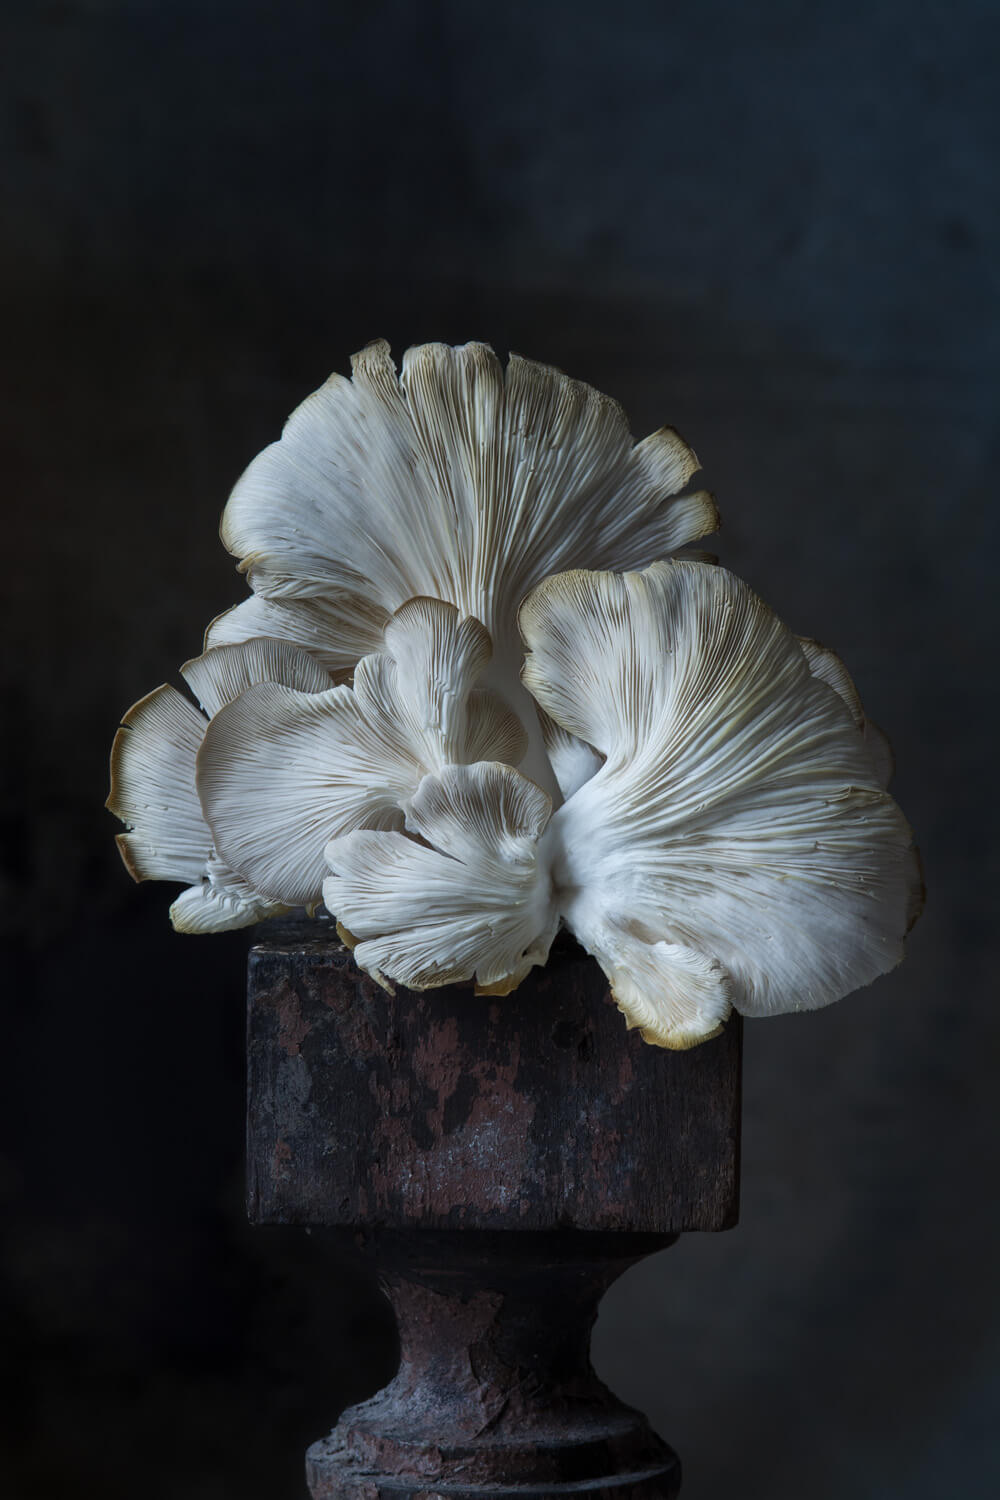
[738, 814]
[281, 772]
[461, 480]
[153, 790]
[472, 899]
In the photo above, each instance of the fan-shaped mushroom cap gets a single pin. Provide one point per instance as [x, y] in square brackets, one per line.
[431, 657]
[459, 480]
[675, 996]
[281, 772]
[738, 815]
[153, 790]
[220, 675]
[153, 762]
[473, 900]
[337, 630]
[220, 902]
[828, 667]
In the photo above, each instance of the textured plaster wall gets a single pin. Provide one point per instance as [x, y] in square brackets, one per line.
[775, 227]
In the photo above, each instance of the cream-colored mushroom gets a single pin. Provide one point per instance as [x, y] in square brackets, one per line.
[738, 814]
[700, 795]
[337, 629]
[470, 901]
[153, 782]
[282, 772]
[461, 480]
[734, 849]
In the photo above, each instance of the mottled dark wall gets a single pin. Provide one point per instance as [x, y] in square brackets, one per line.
[773, 226]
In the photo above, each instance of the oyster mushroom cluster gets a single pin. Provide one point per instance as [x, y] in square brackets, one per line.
[475, 695]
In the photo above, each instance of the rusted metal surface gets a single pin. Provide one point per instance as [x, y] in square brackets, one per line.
[448, 1110]
[503, 1160]
[495, 1392]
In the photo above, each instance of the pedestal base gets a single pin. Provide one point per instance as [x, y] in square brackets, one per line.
[495, 1392]
[337, 1474]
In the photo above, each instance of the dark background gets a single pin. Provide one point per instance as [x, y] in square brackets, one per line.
[775, 227]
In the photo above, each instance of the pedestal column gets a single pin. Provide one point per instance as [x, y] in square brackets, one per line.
[503, 1160]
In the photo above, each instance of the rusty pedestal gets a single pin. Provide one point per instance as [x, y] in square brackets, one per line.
[504, 1160]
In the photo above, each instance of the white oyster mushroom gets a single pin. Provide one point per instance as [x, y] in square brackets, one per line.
[337, 631]
[281, 772]
[460, 480]
[472, 901]
[153, 782]
[735, 848]
[737, 836]
[700, 795]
